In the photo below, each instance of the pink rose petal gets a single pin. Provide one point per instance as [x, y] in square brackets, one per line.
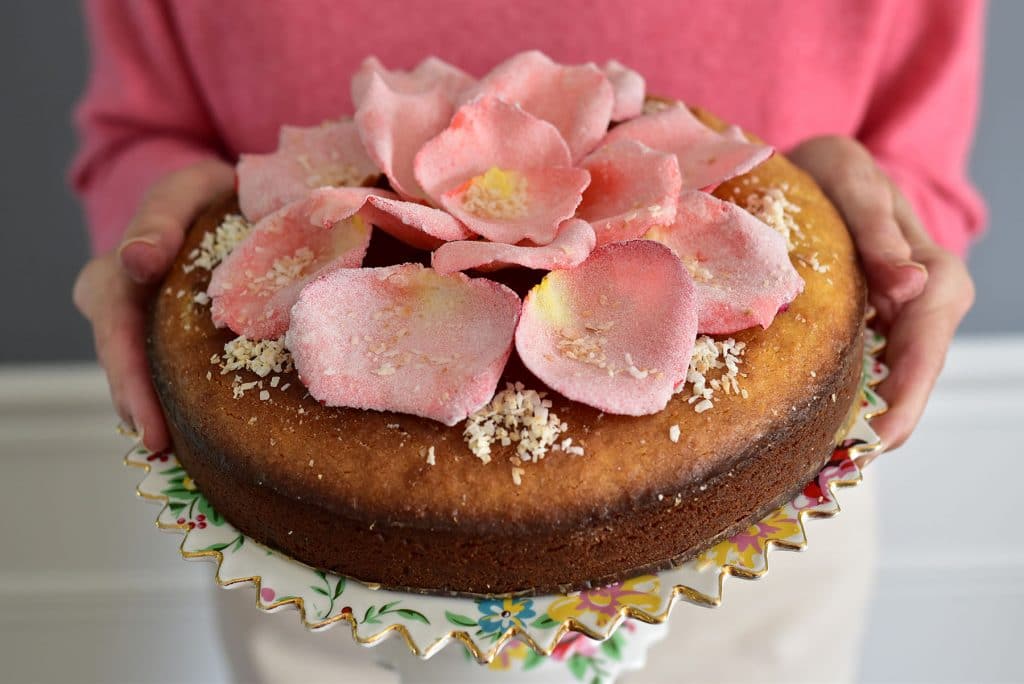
[629, 88]
[254, 288]
[616, 332]
[430, 74]
[394, 125]
[706, 158]
[574, 242]
[522, 154]
[414, 224]
[632, 188]
[330, 154]
[740, 265]
[403, 338]
[578, 100]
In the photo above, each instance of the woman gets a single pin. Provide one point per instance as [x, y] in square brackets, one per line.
[875, 99]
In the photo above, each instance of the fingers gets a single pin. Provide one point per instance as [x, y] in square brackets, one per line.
[120, 344]
[862, 193]
[918, 340]
[154, 235]
[115, 307]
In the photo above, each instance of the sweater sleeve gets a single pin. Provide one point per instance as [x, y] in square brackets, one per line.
[141, 116]
[920, 123]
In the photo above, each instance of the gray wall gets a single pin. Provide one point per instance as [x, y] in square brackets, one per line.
[43, 243]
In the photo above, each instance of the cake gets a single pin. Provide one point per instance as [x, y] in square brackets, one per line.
[492, 480]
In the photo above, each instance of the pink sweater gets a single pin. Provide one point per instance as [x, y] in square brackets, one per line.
[174, 82]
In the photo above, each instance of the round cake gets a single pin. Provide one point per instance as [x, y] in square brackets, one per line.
[407, 501]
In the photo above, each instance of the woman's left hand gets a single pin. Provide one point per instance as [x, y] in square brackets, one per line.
[921, 291]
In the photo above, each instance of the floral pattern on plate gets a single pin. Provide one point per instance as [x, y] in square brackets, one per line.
[510, 633]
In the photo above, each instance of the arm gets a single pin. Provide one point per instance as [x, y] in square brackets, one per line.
[904, 193]
[141, 116]
[147, 163]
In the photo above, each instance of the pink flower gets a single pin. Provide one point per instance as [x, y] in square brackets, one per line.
[518, 169]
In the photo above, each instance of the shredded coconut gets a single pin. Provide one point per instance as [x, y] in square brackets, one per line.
[218, 244]
[259, 356]
[517, 416]
[699, 273]
[774, 208]
[284, 271]
[710, 355]
[334, 173]
[812, 262]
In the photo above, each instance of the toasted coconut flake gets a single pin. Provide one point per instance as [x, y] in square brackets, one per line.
[218, 243]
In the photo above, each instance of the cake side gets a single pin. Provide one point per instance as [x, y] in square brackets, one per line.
[544, 559]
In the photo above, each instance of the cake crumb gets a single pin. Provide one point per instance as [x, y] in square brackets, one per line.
[319, 476]
[814, 374]
[252, 420]
[517, 475]
[673, 434]
[429, 453]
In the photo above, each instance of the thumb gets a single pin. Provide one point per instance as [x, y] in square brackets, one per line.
[155, 233]
[848, 174]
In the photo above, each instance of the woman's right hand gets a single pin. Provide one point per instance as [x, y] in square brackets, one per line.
[113, 291]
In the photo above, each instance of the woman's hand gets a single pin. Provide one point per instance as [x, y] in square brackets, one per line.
[113, 290]
[920, 290]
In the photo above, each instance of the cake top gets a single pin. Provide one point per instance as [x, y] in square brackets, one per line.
[520, 169]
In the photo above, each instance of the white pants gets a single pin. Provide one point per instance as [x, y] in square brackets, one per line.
[802, 623]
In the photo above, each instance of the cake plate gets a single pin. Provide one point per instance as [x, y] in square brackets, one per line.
[589, 636]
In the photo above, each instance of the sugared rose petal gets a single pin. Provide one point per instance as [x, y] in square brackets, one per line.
[403, 338]
[578, 100]
[429, 74]
[254, 288]
[393, 126]
[632, 188]
[629, 88]
[330, 154]
[414, 224]
[740, 265]
[616, 332]
[506, 174]
[706, 158]
[574, 242]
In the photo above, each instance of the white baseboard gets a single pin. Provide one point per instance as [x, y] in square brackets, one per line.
[949, 529]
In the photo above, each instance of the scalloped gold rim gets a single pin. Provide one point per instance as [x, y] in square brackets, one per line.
[861, 455]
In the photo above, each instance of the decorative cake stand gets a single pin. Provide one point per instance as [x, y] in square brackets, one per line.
[590, 636]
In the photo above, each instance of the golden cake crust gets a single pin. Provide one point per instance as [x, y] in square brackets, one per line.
[351, 491]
